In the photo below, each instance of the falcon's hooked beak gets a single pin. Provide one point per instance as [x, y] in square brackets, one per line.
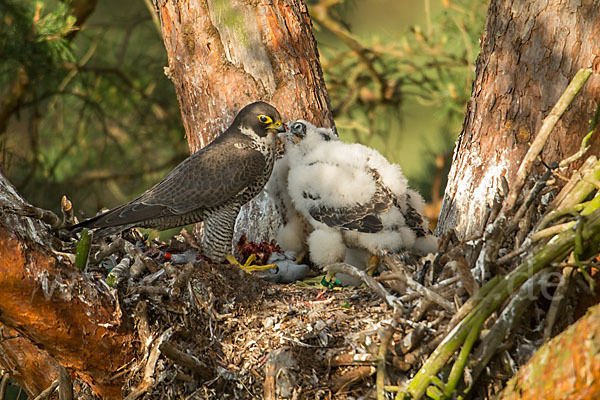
[277, 126]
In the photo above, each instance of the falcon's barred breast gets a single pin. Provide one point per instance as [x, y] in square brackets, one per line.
[352, 197]
[211, 185]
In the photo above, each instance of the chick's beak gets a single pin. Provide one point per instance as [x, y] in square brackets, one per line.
[277, 126]
[285, 130]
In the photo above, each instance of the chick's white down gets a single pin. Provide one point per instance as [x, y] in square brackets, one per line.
[348, 195]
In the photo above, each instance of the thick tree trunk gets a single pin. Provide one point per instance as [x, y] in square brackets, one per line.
[567, 367]
[61, 316]
[226, 54]
[531, 50]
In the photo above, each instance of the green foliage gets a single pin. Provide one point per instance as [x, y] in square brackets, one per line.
[384, 77]
[97, 119]
[33, 38]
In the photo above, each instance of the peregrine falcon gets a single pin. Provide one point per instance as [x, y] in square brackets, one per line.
[352, 197]
[211, 185]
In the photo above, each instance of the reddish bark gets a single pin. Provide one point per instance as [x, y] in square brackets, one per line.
[567, 367]
[63, 316]
[530, 52]
[29, 365]
[224, 55]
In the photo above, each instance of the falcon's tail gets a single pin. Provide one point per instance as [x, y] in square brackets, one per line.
[100, 223]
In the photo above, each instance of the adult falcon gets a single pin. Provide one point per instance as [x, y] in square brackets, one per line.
[352, 197]
[211, 185]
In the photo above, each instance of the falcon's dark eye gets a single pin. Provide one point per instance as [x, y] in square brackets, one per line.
[264, 119]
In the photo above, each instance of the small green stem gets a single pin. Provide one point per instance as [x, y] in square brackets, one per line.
[82, 250]
[463, 356]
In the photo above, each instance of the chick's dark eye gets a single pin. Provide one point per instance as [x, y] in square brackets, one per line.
[263, 118]
[299, 127]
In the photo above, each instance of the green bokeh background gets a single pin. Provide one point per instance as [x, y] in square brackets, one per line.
[104, 132]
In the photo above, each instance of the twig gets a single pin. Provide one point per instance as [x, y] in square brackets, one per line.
[143, 326]
[459, 365]
[30, 211]
[148, 379]
[553, 230]
[533, 193]
[472, 302]
[119, 272]
[65, 385]
[119, 244]
[542, 137]
[46, 393]
[415, 295]
[185, 360]
[465, 274]
[67, 211]
[582, 150]
[381, 356]
[347, 359]
[183, 277]
[354, 375]
[575, 190]
[389, 300]
[4, 384]
[151, 290]
[279, 376]
[557, 301]
[507, 257]
[395, 265]
[82, 250]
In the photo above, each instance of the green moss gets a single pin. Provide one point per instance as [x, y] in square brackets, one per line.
[232, 18]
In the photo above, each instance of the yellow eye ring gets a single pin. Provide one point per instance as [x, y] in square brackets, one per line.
[264, 119]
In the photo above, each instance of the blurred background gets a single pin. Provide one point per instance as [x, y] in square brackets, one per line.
[89, 112]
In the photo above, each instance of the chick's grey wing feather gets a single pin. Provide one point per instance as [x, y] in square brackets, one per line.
[208, 178]
[361, 217]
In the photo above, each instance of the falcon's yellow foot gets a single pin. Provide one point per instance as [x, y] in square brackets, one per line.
[247, 266]
[372, 265]
[300, 257]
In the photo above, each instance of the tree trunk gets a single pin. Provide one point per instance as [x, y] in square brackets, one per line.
[62, 316]
[567, 367]
[222, 56]
[531, 50]
[226, 54]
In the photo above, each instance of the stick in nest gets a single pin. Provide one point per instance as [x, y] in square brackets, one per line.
[389, 300]
[403, 275]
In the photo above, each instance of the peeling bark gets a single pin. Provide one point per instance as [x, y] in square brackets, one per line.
[63, 317]
[530, 52]
[226, 54]
[567, 367]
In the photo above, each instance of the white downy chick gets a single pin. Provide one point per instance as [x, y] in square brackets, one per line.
[352, 197]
